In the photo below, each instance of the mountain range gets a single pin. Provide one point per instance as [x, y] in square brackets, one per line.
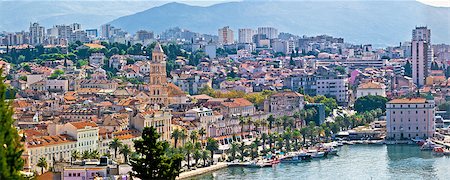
[378, 22]
[363, 21]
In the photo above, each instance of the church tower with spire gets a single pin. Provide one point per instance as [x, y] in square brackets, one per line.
[158, 85]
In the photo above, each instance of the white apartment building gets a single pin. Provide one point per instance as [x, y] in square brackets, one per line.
[270, 32]
[410, 118]
[56, 147]
[96, 59]
[329, 82]
[246, 35]
[37, 34]
[226, 35]
[84, 132]
[371, 88]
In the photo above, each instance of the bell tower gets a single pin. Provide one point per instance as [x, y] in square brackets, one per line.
[158, 79]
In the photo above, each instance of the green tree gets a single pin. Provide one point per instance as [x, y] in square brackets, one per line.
[297, 136]
[205, 156]
[368, 103]
[75, 155]
[408, 69]
[197, 155]
[264, 138]
[233, 150]
[188, 148]
[151, 161]
[86, 155]
[212, 145]
[42, 163]
[125, 151]
[115, 144]
[11, 147]
[94, 154]
[176, 134]
[193, 136]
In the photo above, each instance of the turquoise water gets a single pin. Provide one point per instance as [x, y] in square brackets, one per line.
[353, 162]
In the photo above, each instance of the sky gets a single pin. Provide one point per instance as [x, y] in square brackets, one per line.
[437, 3]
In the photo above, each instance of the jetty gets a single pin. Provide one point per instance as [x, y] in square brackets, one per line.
[200, 171]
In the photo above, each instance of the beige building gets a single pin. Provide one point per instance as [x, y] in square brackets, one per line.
[410, 118]
[226, 35]
[287, 101]
[371, 88]
[159, 119]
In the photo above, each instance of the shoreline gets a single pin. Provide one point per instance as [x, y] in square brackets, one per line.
[200, 171]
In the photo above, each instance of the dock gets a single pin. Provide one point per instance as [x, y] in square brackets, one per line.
[200, 171]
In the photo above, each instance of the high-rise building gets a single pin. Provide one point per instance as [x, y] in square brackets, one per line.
[246, 35]
[143, 35]
[64, 31]
[270, 32]
[37, 34]
[158, 85]
[226, 35]
[420, 54]
[424, 34]
[75, 26]
[92, 33]
[106, 30]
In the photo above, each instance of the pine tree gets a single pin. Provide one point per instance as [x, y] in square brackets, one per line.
[151, 161]
[11, 150]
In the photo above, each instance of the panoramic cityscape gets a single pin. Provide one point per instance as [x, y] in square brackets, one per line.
[185, 90]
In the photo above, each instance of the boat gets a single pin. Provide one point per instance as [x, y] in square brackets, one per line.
[429, 145]
[332, 151]
[438, 151]
[316, 154]
[297, 157]
[339, 143]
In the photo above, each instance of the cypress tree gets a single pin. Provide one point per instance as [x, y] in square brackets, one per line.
[10, 145]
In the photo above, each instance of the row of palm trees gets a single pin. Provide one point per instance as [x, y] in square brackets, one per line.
[182, 135]
[194, 148]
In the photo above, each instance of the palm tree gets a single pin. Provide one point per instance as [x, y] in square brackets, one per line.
[285, 121]
[94, 154]
[205, 156]
[175, 136]
[249, 124]
[42, 163]
[272, 138]
[257, 124]
[212, 145]
[254, 150]
[183, 136]
[242, 122]
[75, 155]
[115, 144]
[233, 150]
[264, 138]
[278, 122]
[296, 116]
[188, 148]
[287, 136]
[271, 121]
[304, 131]
[193, 136]
[197, 155]
[125, 151]
[202, 133]
[296, 135]
[86, 155]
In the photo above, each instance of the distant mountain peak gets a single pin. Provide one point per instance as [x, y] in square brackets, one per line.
[387, 22]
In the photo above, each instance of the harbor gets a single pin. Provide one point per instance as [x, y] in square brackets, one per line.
[359, 161]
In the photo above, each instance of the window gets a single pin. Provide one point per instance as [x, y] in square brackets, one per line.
[70, 174]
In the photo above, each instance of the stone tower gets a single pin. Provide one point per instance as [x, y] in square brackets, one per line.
[158, 79]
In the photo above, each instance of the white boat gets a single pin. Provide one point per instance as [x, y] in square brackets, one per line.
[339, 143]
[429, 145]
[316, 154]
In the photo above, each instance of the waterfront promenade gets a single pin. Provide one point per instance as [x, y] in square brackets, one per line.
[201, 171]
